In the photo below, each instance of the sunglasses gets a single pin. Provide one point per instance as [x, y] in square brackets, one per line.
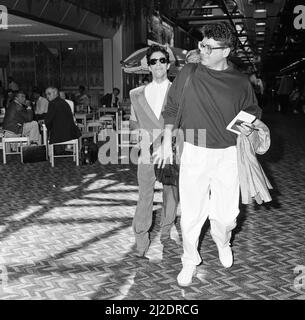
[152, 62]
[208, 48]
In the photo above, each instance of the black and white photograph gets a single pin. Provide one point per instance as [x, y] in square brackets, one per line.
[152, 153]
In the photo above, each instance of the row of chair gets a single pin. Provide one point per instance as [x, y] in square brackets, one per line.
[15, 143]
[14, 146]
[92, 131]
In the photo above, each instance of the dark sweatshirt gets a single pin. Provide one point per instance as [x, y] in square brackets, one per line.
[212, 99]
[15, 116]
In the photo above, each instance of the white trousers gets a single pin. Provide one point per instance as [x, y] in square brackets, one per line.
[209, 187]
[31, 130]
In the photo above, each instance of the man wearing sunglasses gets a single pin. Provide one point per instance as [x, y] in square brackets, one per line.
[148, 102]
[209, 183]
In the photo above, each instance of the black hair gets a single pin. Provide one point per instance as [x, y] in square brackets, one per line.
[222, 32]
[53, 88]
[20, 92]
[156, 48]
[117, 89]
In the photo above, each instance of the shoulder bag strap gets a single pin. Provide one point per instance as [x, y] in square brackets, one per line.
[180, 108]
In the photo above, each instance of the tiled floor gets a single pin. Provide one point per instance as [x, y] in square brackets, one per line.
[65, 233]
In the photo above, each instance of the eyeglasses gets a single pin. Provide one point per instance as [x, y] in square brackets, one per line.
[208, 48]
[152, 62]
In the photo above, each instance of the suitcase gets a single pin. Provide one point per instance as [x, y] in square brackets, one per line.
[34, 153]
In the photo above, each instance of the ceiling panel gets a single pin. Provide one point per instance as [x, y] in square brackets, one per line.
[267, 28]
[22, 29]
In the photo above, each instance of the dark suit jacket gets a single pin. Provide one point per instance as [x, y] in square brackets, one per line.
[107, 100]
[15, 116]
[60, 123]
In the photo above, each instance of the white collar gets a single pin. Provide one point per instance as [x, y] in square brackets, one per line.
[162, 84]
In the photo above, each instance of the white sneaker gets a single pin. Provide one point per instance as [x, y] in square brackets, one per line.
[226, 256]
[186, 274]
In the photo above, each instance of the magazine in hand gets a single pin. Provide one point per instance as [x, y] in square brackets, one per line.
[239, 119]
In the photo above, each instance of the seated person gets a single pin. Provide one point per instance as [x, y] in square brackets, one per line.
[63, 96]
[59, 119]
[41, 105]
[111, 100]
[18, 120]
[8, 99]
[82, 100]
[12, 85]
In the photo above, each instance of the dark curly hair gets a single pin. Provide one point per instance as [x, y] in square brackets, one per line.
[155, 48]
[221, 32]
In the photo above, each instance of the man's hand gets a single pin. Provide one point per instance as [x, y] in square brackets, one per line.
[163, 155]
[246, 128]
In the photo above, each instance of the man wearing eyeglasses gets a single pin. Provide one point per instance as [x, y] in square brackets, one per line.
[147, 104]
[209, 184]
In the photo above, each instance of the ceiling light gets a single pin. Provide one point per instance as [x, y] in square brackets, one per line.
[260, 10]
[238, 27]
[210, 7]
[21, 25]
[260, 23]
[70, 48]
[44, 35]
[195, 22]
[260, 33]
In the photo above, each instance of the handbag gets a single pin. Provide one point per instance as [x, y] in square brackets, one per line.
[34, 153]
[169, 175]
[89, 153]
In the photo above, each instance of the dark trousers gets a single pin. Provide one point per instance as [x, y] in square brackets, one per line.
[143, 217]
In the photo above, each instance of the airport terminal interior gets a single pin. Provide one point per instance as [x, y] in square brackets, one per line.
[66, 224]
